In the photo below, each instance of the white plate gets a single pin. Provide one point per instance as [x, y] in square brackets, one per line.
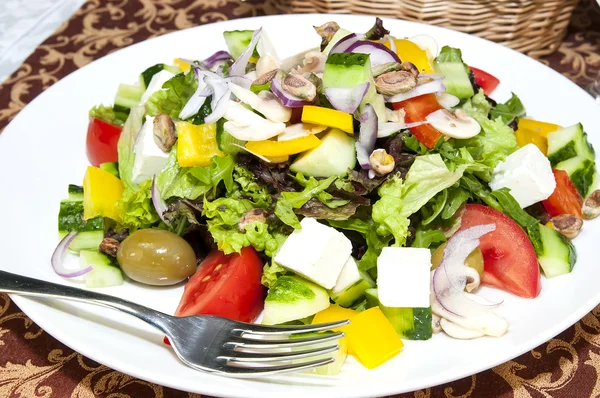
[42, 151]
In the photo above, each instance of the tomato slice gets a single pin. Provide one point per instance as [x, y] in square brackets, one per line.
[565, 199]
[486, 81]
[101, 142]
[226, 286]
[509, 258]
[417, 109]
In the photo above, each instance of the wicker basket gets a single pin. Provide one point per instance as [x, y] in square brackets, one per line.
[534, 27]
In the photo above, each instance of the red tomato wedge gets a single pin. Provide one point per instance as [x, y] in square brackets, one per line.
[509, 258]
[417, 109]
[486, 81]
[227, 286]
[565, 199]
[101, 142]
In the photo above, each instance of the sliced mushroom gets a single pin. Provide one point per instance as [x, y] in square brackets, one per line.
[265, 64]
[458, 332]
[568, 225]
[448, 101]
[299, 86]
[393, 83]
[163, 130]
[246, 125]
[591, 206]
[314, 61]
[265, 78]
[251, 216]
[381, 162]
[266, 103]
[458, 125]
[396, 116]
[473, 279]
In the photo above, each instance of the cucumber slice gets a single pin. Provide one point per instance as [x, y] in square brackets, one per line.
[456, 74]
[128, 96]
[349, 70]
[70, 218]
[75, 193]
[555, 253]
[292, 298]
[567, 143]
[409, 323]
[351, 284]
[335, 155]
[89, 240]
[582, 172]
[339, 35]
[237, 41]
[111, 167]
[103, 274]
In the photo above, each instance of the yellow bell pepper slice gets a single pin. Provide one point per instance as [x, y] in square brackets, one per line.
[526, 136]
[328, 117]
[184, 66]
[410, 52]
[277, 149]
[542, 128]
[196, 144]
[373, 338]
[101, 194]
[278, 159]
[335, 313]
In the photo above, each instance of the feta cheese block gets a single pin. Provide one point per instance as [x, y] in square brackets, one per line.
[149, 158]
[403, 277]
[156, 84]
[528, 175]
[317, 252]
[288, 48]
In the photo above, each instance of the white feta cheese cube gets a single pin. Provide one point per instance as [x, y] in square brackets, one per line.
[149, 158]
[317, 252]
[528, 175]
[156, 84]
[348, 277]
[403, 277]
[288, 48]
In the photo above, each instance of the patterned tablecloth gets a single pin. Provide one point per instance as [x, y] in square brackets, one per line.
[33, 364]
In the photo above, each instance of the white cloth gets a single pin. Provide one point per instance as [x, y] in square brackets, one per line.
[24, 24]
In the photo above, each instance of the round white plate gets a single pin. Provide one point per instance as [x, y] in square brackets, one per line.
[42, 151]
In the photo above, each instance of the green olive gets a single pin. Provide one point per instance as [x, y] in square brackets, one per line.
[156, 257]
[474, 260]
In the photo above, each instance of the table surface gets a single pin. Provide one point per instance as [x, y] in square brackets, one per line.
[33, 364]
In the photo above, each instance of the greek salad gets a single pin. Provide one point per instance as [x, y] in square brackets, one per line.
[340, 175]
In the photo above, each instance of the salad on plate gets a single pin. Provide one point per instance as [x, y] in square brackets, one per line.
[343, 175]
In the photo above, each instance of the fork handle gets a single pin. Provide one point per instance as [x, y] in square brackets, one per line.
[23, 285]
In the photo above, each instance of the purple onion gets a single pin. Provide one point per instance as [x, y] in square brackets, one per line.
[434, 86]
[378, 53]
[367, 136]
[347, 99]
[159, 204]
[197, 99]
[287, 99]
[449, 278]
[345, 42]
[58, 258]
[219, 56]
[239, 66]
[220, 98]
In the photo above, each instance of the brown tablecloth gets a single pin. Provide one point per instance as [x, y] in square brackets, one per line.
[33, 364]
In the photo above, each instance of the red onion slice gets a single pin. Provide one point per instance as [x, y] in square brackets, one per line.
[239, 66]
[159, 204]
[58, 258]
[219, 56]
[345, 42]
[347, 99]
[449, 279]
[434, 86]
[367, 136]
[378, 53]
[389, 128]
[197, 99]
[220, 98]
[286, 98]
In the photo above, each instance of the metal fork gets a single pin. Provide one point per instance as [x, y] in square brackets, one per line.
[209, 343]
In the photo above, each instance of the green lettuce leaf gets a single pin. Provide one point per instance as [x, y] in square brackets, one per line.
[508, 111]
[136, 208]
[177, 91]
[247, 187]
[426, 237]
[126, 142]
[108, 114]
[399, 199]
[271, 272]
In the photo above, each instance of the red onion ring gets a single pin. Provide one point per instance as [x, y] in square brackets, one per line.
[58, 258]
[347, 99]
[159, 204]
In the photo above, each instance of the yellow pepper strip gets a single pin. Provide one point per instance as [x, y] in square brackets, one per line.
[184, 66]
[279, 159]
[335, 313]
[328, 117]
[526, 136]
[373, 338]
[196, 144]
[101, 193]
[276, 149]
[542, 128]
[410, 52]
